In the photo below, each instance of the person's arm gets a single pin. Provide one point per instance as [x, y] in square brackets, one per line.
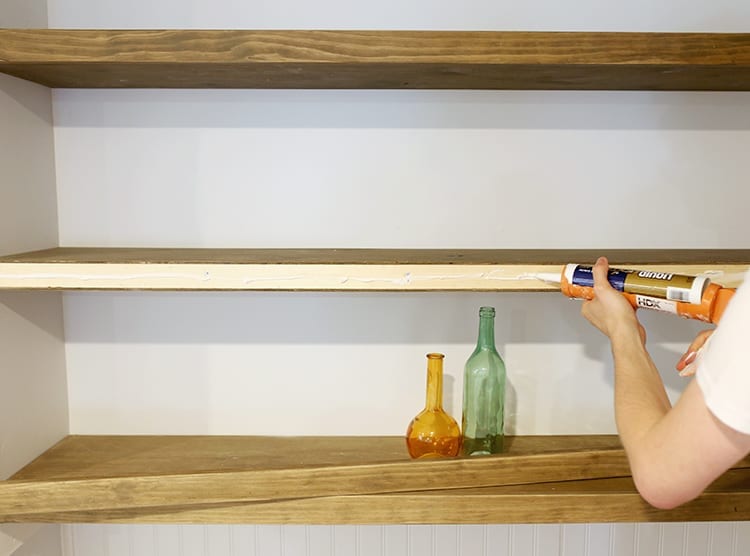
[674, 453]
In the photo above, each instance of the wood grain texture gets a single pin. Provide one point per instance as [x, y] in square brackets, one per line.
[338, 269]
[101, 456]
[266, 474]
[147, 255]
[328, 480]
[377, 59]
[619, 506]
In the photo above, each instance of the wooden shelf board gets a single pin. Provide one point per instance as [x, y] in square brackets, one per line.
[235, 479]
[589, 501]
[338, 269]
[103, 456]
[377, 59]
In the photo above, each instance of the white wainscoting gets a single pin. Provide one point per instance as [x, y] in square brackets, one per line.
[622, 539]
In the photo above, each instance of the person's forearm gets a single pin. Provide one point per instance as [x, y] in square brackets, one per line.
[640, 399]
[673, 453]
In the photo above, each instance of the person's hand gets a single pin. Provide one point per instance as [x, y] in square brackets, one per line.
[609, 311]
[687, 363]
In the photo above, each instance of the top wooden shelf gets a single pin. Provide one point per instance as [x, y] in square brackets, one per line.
[70, 268]
[377, 59]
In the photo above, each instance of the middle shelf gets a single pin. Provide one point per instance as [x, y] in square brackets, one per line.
[71, 268]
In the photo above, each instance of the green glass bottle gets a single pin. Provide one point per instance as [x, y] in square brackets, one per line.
[484, 392]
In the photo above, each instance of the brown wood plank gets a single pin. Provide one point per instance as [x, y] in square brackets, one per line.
[598, 500]
[180, 479]
[377, 59]
[34, 492]
[334, 256]
[82, 457]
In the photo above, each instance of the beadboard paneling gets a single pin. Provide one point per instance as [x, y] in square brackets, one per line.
[647, 539]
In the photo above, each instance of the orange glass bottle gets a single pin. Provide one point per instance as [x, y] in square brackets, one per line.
[433, 433]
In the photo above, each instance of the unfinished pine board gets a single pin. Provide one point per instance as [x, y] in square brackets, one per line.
[330, 480]
[338, 269]
[377, 59]
[143, 474]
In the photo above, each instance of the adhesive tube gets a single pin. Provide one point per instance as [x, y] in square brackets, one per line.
[664, 285]
[577, 281]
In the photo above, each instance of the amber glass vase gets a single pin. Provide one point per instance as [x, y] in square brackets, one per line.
[433, 433]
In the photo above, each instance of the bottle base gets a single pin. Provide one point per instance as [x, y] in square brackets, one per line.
[482, 446]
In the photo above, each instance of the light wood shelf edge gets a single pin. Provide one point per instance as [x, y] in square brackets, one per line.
[336, 270]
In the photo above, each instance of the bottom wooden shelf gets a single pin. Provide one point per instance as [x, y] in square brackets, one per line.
[341, 480]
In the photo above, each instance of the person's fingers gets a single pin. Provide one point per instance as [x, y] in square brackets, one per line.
[688, 358]
[688, 363]
[700, 340]
[599, 272]
[689, 370]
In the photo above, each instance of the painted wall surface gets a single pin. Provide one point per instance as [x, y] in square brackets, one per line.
[23, 13]
[548, 15]
[31, 338]
[483, 169]
[33, 391]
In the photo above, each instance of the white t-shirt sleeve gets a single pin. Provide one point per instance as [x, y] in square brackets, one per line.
[723, 371]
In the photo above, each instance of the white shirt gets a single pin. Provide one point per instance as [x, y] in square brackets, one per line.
[723, 371]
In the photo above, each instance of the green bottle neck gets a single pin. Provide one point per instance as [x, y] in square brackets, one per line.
[486, 338]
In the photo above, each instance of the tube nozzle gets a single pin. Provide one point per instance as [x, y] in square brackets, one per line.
[549, 277]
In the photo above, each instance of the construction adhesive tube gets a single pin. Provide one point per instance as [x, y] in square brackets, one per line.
[664, 285]
[693, 297]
